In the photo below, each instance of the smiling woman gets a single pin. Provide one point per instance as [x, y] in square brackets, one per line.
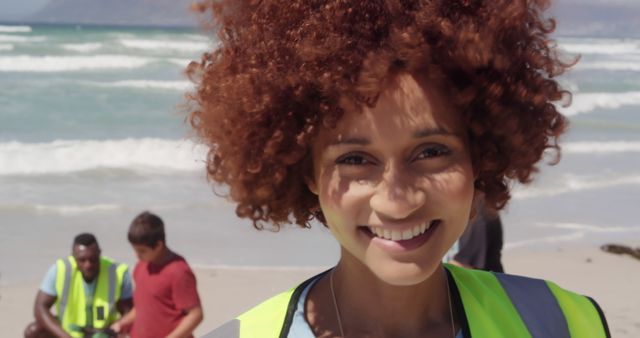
[386, 120]
[392, 170]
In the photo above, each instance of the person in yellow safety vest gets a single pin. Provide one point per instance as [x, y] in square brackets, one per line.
[89, 292]
[525, 307]
[386, 121]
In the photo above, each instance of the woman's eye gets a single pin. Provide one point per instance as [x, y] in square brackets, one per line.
[433, 151]
[353, 160]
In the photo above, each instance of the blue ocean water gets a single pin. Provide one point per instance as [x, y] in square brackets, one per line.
[91, 133]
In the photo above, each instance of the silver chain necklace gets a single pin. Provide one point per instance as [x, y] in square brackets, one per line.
[337, 311]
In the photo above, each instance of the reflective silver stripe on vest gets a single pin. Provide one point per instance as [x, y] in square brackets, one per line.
[112, 285]
[536, 305]
[64, 298]
[230, 329]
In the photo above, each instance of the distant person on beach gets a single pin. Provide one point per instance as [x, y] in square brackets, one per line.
[480, 246]
[89, 292]
[166, 301]
[385, 121]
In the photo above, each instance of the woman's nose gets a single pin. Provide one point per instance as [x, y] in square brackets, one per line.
[397, 196]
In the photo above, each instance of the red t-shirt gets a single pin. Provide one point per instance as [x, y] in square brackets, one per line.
[162, 296]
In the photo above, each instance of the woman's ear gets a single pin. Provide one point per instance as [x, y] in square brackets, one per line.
[476, 204]
[309, 176]
[311, 184]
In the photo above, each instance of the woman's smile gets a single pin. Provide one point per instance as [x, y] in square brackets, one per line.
[396, 240]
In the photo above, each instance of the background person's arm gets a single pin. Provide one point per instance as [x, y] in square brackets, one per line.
[44, 317]
[125, 303]
[124, 306]
[123, 324]
[188, 323]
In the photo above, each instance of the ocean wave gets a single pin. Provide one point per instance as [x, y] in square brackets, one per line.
[82, 47]
[573, 183]
[602, 46]
[20, 38]
[587, 227]
[600, 147]
[61, 157]
[15, 29]
[148, 84]
[610, 65]
[6, 46]
[81, 209]
[588, 102]
[26, 63]
[579, 232]
[61, 209]
[196, 37]
[180, 62]
[183, 46]
[71, 210]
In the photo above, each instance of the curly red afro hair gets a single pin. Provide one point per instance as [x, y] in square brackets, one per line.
[286, 68]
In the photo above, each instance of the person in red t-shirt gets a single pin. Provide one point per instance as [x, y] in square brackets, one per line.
[165, 299]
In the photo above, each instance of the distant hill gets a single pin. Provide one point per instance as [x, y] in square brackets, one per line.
[575, 17]
[117, 12]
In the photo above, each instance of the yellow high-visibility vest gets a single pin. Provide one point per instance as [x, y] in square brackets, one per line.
[71, 303]
[495, 305]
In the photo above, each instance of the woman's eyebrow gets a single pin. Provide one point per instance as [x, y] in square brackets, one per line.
[360, 141]
[432, 131]
[363, 141]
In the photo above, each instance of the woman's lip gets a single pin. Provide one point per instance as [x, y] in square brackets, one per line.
[401, 245]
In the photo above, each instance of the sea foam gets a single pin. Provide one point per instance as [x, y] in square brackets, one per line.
[75, 210]
[609, 147]
[148, 84]
[61, 157]
[574, 183]
[61, 209]
[588, 102]
[15, 29]
[180, 62]
[82, 47]
[27, 63]
[4, 46]
[602, 46]
[577, 231]
[610, 65]
[20, 38]
[183, 46]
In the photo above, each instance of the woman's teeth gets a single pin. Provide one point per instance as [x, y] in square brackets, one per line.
[400, 235]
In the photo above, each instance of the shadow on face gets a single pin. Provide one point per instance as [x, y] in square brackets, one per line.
[390, 169]
[149, 254]
[88, 259]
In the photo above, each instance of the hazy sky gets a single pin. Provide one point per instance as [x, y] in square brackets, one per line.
[16, 9]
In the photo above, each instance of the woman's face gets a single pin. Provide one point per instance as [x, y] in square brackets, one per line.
[395, 182]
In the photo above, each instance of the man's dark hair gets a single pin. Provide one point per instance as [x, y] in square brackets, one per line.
[85, 239]
[146, 229]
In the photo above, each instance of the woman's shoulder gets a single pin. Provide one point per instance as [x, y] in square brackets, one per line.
[279, 306]
[530, 304]
[514, 286]
[267, 319]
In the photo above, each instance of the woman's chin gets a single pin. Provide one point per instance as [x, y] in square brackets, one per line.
[405, 274]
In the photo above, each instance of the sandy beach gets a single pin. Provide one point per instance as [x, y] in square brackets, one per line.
[610, 279]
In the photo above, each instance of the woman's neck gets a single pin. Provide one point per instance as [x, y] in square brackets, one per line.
[369, 307]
